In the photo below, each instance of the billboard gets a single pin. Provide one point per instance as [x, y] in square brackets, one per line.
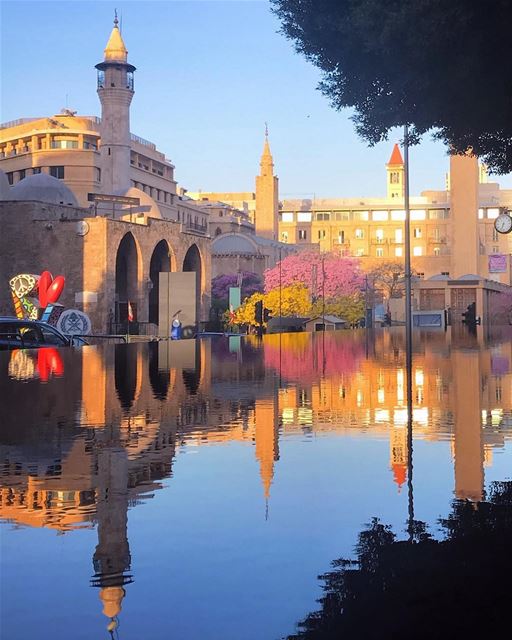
[497, 263]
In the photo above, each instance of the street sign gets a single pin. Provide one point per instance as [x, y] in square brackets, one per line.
[101, 197]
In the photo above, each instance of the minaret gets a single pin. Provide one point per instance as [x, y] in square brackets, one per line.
[115, 90]
[267, 196]
[395, 175]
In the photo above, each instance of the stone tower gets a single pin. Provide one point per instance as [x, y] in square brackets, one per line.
[267, 196]
[395, 175]
[464, 214]
[115, 90]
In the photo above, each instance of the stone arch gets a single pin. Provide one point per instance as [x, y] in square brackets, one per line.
[162, 260]
[193, 262]
[128, 270]
[218, 231]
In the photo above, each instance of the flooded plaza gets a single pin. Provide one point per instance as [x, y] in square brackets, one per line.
[204, 488]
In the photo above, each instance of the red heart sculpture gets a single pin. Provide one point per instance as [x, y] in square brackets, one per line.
[55, 289]
[49, 289]
[45, 280]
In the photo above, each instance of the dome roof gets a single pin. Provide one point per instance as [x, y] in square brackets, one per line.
[151, 208]
[5, 189]
[234, 243]
[43, 188]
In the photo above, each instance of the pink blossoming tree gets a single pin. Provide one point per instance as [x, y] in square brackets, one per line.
[326, 274]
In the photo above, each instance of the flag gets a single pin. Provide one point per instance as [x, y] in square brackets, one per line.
[130, 312]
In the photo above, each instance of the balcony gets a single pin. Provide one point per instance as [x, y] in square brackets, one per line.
[194, 228]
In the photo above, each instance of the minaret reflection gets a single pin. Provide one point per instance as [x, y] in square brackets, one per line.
[266, 433]
[112, 555]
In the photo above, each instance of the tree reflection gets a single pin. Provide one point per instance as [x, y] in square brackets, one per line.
[449, 588]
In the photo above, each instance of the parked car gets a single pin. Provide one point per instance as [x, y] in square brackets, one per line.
[33, 334]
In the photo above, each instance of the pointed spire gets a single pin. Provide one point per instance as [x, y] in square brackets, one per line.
[396, 156]
[115, 49]
[266, 146]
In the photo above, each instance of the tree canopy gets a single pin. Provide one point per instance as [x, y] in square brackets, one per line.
[431, 64]
[309, 268]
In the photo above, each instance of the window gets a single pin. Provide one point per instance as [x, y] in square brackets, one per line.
[302, 234]
[494, 233]
[445, 273]
[323, 216]
[380, 252]
[21, 174]
[437, 251]
[343, 215]
[361, 215]
[284, 236]
[321, 234]
[287, 216]
[51, 337]
[64, 144]
[218, 231]
[394, 177]
[398, 216]
[341, 237]
[399, 236]
[437, 234]
[359, 234]
[10, 177]
[480, 214]
[94, 147]
[97, 174]
[418, 214]
[57, 172]
[359, 252]
[495, 249]
[398, 252]
[493, 213]
[379, 216]
[417, 232]
[379, 235]
[417, 251]
[36, 170]
[304, 216]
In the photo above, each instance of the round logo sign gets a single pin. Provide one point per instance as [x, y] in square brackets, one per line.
[74, 322]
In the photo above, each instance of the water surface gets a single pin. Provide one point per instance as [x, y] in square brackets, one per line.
[197, 489]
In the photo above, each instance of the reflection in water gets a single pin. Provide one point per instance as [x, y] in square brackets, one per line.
[456, 587]
[125, 368]
[102, 434]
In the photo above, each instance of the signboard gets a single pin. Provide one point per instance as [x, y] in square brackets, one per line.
[101, 197]
[497, 263]
[234, 298]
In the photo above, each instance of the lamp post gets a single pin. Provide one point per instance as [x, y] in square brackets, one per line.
[408, 334]
[280, 289]
[323, 292]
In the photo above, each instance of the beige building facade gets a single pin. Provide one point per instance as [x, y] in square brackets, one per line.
[112, 250]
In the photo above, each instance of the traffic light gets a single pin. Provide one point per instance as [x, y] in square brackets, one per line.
[469, 316]
[258, 312]
[267, 314]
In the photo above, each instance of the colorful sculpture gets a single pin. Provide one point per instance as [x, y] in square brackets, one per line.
[25, 287]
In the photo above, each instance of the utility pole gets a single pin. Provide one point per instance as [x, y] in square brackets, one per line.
[408, 334]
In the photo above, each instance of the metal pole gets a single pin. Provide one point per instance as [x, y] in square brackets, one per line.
[408, 334]
[280, 292]
[323, 292]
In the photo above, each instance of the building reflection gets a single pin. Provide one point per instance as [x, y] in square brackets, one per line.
[99, 437]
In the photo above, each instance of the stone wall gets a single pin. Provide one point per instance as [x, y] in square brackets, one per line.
[69, 241]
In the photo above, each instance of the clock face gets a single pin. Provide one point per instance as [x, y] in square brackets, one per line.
[503, 223]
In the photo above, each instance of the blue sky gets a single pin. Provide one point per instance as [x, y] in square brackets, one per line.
[209, 74]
